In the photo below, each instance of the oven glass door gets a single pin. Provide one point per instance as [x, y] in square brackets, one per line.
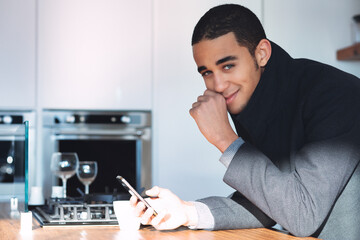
[14, 163]
[10, 153]
[113, 156]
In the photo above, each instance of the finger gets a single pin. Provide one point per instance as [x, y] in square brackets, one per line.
[209, 93]
[194, 111]
[139, 209]
[158, 192]
[158, 222]
[195, 104]
[146, 217]
[165, 193]
[213, 95]
[153, 192]
[133, 201]
[202, 98]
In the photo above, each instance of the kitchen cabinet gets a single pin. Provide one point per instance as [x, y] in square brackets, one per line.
[95, 54]
[17, 54]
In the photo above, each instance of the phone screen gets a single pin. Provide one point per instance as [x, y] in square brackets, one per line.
[133, 192]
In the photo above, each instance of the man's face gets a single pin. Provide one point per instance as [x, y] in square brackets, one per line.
[228, 69]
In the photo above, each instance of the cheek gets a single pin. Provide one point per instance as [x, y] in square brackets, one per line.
[240, 76]
[250, 86]
[250, 78]
[240, 79]
[209, 84]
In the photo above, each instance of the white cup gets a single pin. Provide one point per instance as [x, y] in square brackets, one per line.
[125, 215]
[36, 196]
[57, 192]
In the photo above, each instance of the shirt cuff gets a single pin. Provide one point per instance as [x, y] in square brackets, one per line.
[205, 218]
[230, 152]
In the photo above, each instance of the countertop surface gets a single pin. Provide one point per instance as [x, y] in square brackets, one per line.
[10, 229]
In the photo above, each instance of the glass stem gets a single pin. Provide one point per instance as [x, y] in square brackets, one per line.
[64, 186]
[87, 189]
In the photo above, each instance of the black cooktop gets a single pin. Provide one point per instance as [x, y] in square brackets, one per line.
[93, 209]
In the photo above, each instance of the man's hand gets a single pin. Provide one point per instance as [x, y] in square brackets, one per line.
[172, 211]
[210, 114]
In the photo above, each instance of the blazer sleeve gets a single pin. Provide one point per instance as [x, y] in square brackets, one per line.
[236, 212]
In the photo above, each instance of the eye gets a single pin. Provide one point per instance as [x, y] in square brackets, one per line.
[206, 73]
[228, 66]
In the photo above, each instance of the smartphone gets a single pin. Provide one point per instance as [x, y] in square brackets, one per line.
[133, 192]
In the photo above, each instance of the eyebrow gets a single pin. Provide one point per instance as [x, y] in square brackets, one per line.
[218, 62]
[225, 59]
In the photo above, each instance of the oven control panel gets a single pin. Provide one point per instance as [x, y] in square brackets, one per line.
[126, 118]
[97, 119]
[11, 119]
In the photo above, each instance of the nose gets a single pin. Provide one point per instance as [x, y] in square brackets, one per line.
[220, 84]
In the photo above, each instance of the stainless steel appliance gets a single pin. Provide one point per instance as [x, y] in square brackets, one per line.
[87, 210]
[10, 169]
[120, 142]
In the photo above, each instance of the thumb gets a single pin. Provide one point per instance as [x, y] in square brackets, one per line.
[153, 192]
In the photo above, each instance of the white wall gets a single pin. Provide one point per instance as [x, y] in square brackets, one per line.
[183, 160]
[313, 29]
[17, 54]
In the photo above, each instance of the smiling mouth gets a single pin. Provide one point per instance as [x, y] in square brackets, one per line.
[231, 98]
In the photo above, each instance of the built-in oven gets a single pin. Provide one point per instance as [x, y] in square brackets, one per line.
[11, 166]
[119, 141]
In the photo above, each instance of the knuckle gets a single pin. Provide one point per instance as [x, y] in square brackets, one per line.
[214, 97]
[167, 191]
[193, 111]
[219, 97]
[207, 91]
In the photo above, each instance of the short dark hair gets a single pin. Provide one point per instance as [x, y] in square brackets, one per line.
[226, 18]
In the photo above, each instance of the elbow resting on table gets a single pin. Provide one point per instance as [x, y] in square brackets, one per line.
[303, 232]
[306, 225]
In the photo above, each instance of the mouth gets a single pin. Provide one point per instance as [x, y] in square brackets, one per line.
[231, 98]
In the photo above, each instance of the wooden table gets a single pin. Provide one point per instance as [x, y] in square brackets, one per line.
[10, 229]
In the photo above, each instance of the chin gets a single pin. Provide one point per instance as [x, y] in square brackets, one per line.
[235, 109]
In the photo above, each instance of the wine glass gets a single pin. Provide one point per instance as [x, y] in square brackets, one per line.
[64, 165]
[86, 173]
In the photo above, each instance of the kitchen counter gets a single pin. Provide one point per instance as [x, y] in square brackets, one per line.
[10, 229]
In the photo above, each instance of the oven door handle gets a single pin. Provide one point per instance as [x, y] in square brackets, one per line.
[12, 137]
[137, 133]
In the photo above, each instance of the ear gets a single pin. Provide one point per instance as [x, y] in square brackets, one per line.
[263, 52]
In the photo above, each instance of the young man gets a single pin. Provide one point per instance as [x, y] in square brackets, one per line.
[294, 158]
